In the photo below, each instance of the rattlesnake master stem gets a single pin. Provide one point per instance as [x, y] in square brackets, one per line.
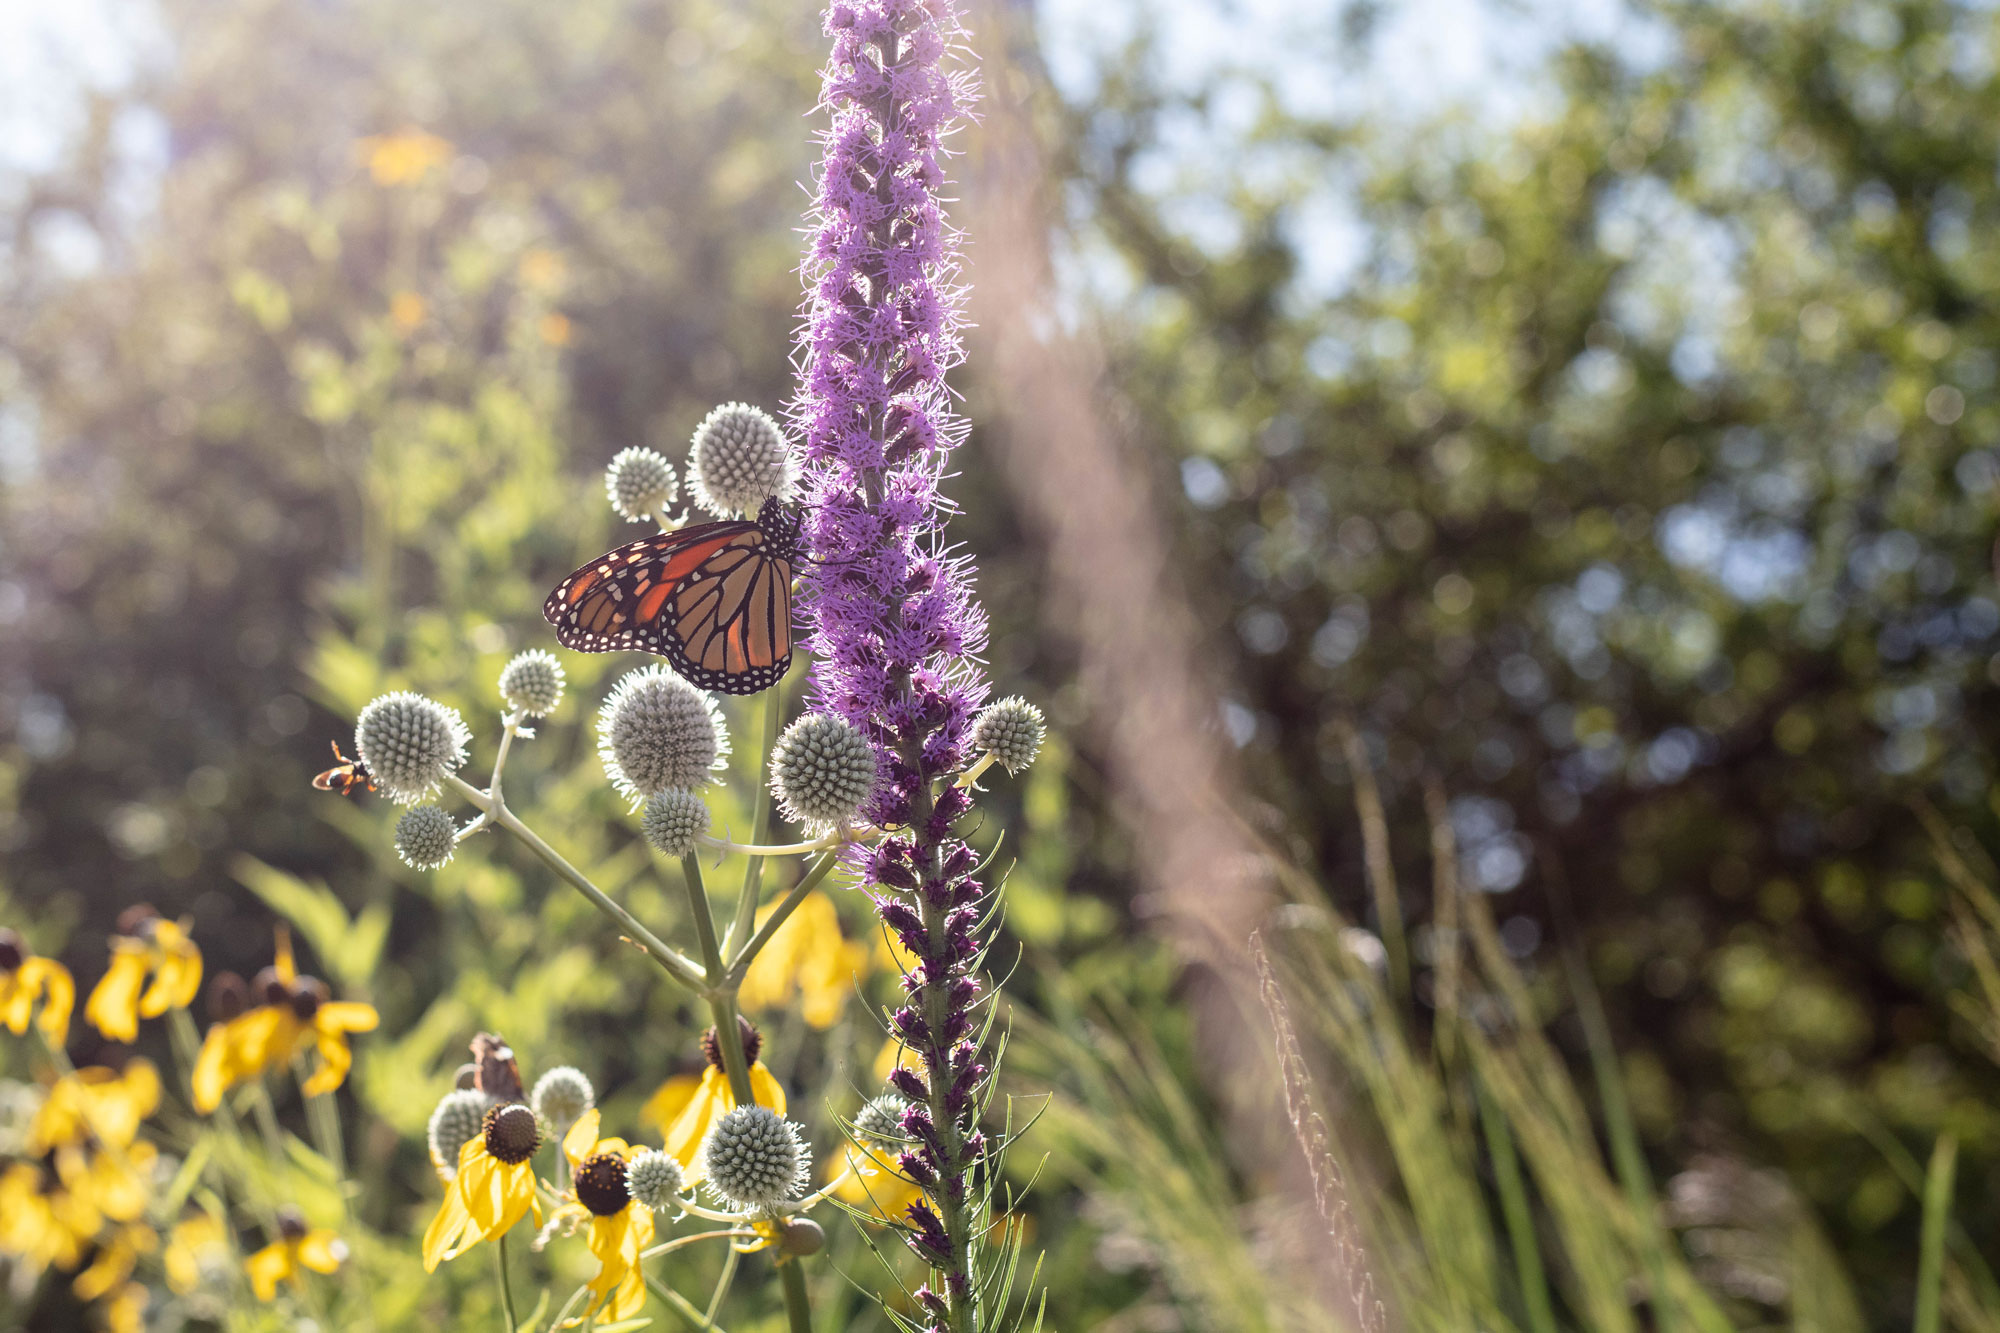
[457, 1118]
[561, 1096]
[738, 460]
[655, 1180]
[657, 731]
[640, 484]
[532, 683]
[426, 837]
[512, 1133]
[879, 1124]
[822, 770]
[674, 818]
[410, 743]
[755, 1158]
[1010, 730]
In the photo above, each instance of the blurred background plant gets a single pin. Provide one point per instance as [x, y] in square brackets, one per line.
[1612, 446]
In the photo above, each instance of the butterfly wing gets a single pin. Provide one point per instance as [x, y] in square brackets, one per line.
[715, 600]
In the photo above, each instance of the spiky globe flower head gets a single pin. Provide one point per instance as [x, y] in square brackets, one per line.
[755, 1158]
[822, 771]
[532, 683]
[426, 837]
[512, 1133]
[457, 1119]
[561, 1096]
[410, 744]
[738, 460]
[879, 1124]
[657, 731]
[1010, 730]
[674, 818]
[655, 1179]
[641, 484]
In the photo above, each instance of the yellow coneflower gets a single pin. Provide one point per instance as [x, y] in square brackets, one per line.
[41, 1225]
[148, 946]
[116, 1257]
[620, 1228]
[685, 1106]
[196, 1245]
[292, 1010]
[97, 1101]
[26, 979]
[494, 1187]
[297, 1246]
[807, 957]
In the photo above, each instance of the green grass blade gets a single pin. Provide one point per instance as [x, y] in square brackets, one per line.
[1937, 1218]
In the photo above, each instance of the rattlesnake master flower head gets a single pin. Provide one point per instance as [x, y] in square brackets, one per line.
[879, 1124]
[561, 1096]
[426, 837]
[738, 460]
[657, 731]
[411, 744]
[822, 771]
[457, 1119]
[755, 1158]
[641, 484]
[532, 683]
[1010, 730]
[655, 1180]
[512, 1133]
[674, 818]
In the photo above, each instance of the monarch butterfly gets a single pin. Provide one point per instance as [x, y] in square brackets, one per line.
[715, 600]
[347, 776]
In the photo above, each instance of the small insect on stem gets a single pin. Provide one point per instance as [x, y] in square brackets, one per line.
[346, 777]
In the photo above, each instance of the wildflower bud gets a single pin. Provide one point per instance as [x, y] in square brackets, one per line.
[512, 1132]
[657, 731]
[458, 1117]
[13, 951]
[411, 744]
[532, 683]
[746, 1031]
[801, 1236]
[426, 837]
[292, 1223]
[228, 996]
[738, 460]
[640, 483]
[754, 1158]
[879, 1123]
[674, 818]
[270, 988]
[600, 1184]
[307, 994]
[562, 1095]
[137, 919]
[655, 1179]
[1011, 731]
[822, 769]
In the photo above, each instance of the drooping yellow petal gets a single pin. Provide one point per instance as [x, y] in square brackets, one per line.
[52, 981]
[668, 1101]
[764, 1087]
[451, 1233]
[212, 1070]
[117, 1107]
[872, 1182]
[178, 976]
[270, 1266]
[346, 1016]
[582, 1137]
[321, 1251]
[690, 1127]
[479, 1183]
[335, 1060]
[195, 1244]
[894, 1054]
[125, 1312]
[283, 964]
[113, 1006]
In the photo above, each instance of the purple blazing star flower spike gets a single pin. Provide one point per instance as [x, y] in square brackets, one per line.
[892, 622]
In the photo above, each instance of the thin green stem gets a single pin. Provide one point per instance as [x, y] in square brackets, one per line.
[567, 1306]
[723, 1283]
[753, 873]
[1937, 1216]
[677, 965]
[267, 1119]
[739, 966]
[1520, 1218]
[683, 1306]
[798, 1308]
[506, 1287]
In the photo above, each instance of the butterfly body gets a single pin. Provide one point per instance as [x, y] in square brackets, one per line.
[347, 776]
[715, 600]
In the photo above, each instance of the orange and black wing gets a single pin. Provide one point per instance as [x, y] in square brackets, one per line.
[715, 600]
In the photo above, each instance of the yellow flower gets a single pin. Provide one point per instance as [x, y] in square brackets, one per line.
[195, 1246]
[24, 979]
[872, 1181]
[895, 1055]
[403, 158]
[296, 1247]
[116, 1258]
[113, 1183]
[808, 957]
[125, 1312]
[619, 1227]
[42, 1227]
[159, 949]
[685, 1106]
[494, 1187]
[294, 1010]
[96, 1102]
